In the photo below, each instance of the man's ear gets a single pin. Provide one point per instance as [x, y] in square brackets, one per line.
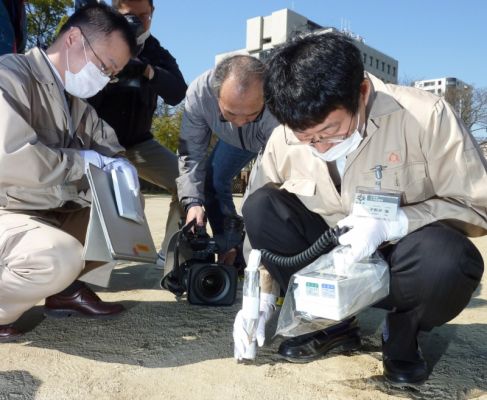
[71, 36]
[365, 89]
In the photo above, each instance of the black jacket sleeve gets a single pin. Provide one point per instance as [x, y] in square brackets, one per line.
[168, 81]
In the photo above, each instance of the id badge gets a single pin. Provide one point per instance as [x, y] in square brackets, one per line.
[380, 204]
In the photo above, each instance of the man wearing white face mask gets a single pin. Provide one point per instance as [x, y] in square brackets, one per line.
[128, 105]
[393, 164]
[48, 137]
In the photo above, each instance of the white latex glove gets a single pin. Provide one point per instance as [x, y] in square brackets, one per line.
[95, 158]
[267, 307]
[366, 234]
[129, 171]
[243, 340]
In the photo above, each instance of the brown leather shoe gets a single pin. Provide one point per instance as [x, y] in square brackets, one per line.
[9, 334]
[82, 302]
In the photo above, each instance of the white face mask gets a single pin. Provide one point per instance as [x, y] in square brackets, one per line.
[143, 37]
[341, 149]
[87, 82]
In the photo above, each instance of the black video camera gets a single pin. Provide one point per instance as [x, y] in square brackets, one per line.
[132, 73]
[195, 271]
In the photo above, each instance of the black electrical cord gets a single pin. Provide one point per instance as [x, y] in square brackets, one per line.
[324, 244]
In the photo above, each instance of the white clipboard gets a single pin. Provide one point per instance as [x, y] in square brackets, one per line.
[109, 236]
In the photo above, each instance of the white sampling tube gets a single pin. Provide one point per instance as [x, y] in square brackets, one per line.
[250, 303]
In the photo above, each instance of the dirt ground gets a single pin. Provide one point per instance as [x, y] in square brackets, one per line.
[164, 349]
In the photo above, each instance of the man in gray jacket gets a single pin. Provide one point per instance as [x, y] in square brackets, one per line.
[48, 137]
[227, 101]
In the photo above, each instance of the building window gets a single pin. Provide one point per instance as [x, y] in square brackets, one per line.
[370, 60]
[388, 69]
[429, 83]
[439, 92]
[383, 66]
[376, 63]
[394, 71]
[365, 58]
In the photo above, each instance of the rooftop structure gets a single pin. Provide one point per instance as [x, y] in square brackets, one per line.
[264, 33]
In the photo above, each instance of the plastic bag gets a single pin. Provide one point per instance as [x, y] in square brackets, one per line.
[327, 291]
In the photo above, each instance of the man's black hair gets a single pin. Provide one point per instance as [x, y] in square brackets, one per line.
[117, 3]
[309, 77]
[99, 20]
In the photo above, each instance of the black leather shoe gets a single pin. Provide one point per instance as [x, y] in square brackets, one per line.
[405, 372]
[311, 346]
[83, 302]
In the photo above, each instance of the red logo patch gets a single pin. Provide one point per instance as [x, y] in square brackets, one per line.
[394, 158]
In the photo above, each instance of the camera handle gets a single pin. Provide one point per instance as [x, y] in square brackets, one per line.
[172, 279]
[324, 244]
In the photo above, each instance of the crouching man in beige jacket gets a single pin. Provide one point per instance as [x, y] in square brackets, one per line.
[48, 136]
[393, 164]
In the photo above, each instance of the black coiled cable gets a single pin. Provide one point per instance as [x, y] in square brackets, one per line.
[324, 244]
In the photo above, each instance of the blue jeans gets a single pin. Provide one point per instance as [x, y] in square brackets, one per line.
[224, 163]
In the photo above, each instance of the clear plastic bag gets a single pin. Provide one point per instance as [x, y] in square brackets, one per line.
[326, 291]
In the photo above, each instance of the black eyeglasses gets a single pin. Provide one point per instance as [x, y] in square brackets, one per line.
[335, 139]
[103, 67]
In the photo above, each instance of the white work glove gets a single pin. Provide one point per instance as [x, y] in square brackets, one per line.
[129, 171]
[95, 158]
[366, 234]
[243, 340]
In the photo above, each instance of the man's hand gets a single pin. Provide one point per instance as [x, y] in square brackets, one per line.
[228, 258]
[196, 212]
[95, 158]
[149, 72]
[135, 68]
[128, 170]
[242, 338]
[366, 234]
[267, 307]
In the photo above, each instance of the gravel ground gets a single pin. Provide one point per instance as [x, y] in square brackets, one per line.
[164, 349]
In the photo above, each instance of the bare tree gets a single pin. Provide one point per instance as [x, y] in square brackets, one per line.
[471, 105]
[407, 80]
[479, 110]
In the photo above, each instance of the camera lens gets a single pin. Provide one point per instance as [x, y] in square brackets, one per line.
[211, 284]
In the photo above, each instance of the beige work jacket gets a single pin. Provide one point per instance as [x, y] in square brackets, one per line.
[41, 135]
[427, 152]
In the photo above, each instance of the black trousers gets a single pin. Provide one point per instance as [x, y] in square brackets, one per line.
[434, 270]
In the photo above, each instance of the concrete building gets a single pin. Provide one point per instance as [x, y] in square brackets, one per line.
[441, 86]
[455, 91]
[264, 33]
